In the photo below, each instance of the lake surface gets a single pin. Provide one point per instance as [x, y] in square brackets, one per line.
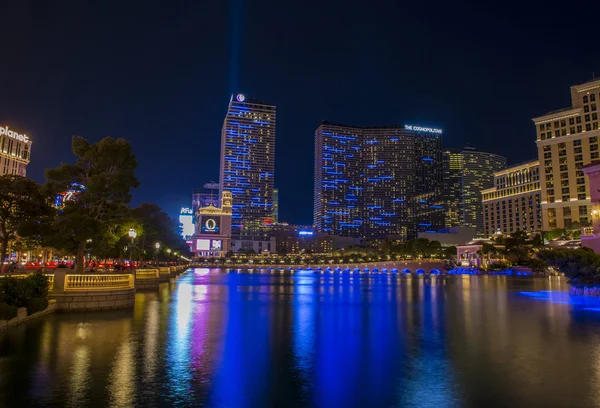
[250, 340]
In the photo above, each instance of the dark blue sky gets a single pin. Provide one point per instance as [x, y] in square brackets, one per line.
[160, 73]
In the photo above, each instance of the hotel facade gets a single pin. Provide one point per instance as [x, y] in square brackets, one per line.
[248, 164]
[377, 182]
[567, 140]
[514, 203]
[15, 152]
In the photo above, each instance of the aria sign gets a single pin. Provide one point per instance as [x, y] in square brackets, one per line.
[423, 129]
[13, 135]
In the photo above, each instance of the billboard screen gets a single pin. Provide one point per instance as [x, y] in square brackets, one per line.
[216, 245]
[210, 224]
[203, 245]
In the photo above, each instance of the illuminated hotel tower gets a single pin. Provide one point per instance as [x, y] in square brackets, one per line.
[248, 164]
[377, 182]
[15, 150]
[568, 140]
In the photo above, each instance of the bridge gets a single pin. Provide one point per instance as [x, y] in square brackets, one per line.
[407, 267]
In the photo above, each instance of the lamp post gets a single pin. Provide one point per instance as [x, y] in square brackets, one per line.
[169, 252]
[132, 235]
[157, 246]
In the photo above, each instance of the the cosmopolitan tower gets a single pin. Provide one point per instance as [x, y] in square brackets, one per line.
[248, 164]
[377, 182]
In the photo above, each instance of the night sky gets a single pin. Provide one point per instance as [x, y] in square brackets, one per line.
[160, 74]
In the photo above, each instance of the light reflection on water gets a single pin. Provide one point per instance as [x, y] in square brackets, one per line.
[257, 340]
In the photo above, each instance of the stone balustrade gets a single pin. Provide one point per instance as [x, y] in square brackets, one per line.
[93, 291]
[164, 273]
[146, 279]
[99, 281]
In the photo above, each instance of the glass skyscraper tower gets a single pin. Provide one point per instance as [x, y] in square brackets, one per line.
[377, 182]
[467, 172]
[248, 164]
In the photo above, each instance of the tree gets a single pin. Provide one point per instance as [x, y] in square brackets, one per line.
[24, 207]
[574, 263]
[98, 213]
[158, 227]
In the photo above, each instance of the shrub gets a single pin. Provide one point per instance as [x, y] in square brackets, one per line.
[37, 286]
[13, 291]
[34, 305]
[7, 312]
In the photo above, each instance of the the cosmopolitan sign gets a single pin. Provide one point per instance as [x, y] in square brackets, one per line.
[423, 129]
[13, 135]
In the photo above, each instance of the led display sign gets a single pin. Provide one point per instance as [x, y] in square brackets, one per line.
[216, 245]
[423, 129]
[305, 233]
[210, 224]
[13, 135]
[240, 98]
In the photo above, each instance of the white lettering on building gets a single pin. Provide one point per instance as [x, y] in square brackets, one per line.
[13, 135]
[423, 129]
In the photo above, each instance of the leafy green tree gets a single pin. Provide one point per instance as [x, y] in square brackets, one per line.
[158, 227]
[24, 208]
[434, 248]
[98, 213]
[418, 246]
[450, 253]
[574, 263]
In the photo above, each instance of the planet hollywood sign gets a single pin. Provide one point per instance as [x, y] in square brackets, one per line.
[13, 135]
[423, 129]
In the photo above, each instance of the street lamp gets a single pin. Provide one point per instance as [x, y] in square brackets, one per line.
[132, 235]
[157, 246]
[169, 252]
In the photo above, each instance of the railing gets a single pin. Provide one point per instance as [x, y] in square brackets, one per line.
[146, 273]
[587, 231]
[91, 282]
[50, 280]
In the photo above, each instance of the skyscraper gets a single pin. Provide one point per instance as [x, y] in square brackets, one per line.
[377, 182]
[467, 172]
[567, 140]
[248, 163]
[15, 150]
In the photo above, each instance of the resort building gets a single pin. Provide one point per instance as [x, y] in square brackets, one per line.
[15, 151]
[514, 203]
[248, 164]
[567, 140]
[212, 228]
[377, 182]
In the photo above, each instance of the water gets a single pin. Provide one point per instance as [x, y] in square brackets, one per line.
[241, 340]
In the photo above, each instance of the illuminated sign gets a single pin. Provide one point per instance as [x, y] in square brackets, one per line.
[187, 222]
[305, 233]
[186, 211]
[423, 129]
[240, 97]
[210, 224]
[13, 135]
[216, 245]
[202, 244]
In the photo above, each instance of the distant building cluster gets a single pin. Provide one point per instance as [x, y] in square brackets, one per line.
[399, 182]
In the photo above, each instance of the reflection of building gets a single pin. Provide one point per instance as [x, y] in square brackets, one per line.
[15, 151]
[212, 236]
[514, 203]
[567, 140]
[186, 219]
[467, 172]
[376, 182]
[248, 164]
